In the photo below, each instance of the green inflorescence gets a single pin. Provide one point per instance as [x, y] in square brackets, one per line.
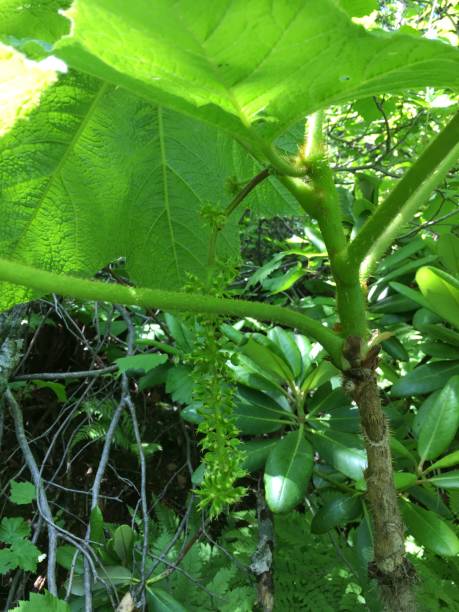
[214, 392]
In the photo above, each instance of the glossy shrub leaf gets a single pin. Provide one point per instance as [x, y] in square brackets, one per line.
[425, 378]
[160, 600]
[256, 453]
[96, 521]
[395, 349]
[267, 361]
[255, 419]
[440, 422]
[447, 480]
[286, 342]
[199, 59]
[256, 381]
[65, 557]
[441, 290]
[423, 411]
[430, 497]
[336, 512]
[319, 375]
[287, 472]
[448, 461]
[404, 480]
[341, 450]
[430, 531]
[448, 250]
[123, 542]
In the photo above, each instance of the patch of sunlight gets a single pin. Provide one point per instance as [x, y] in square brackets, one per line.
[21, 84]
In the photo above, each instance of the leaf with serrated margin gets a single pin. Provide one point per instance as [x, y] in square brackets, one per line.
[239, 64]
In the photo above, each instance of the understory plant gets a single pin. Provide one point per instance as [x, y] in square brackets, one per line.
[164, 121]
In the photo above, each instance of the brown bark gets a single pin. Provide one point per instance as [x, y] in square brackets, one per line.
[393, 572]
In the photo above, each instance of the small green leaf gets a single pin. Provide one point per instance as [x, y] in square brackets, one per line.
[65, 557]
[448, 480]
[440, 422]
[179, 384]
[44, 602]
[256, 419]
[145, 362]
[123, 542]
[336, 512]
[8, 561]
[441, 291]
[430, 531]
[13, 529]
[256, 453]
[286, 342]
[277, 284]
[447, 461]
[320, 375]
[287, 472]
[358, 8]
[395, 349]
[404, 480]
[22, 492]
[96, 522]
[267, 361]
[448, 250]
[425, 378]
[58, 389]
[26, 555]
[160, 600]
[343, 451]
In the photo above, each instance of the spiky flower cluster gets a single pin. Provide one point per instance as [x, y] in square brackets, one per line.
[213, 391]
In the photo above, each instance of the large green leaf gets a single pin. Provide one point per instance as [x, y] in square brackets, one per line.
[430, 531]
[440, 422]
[239, 64]
[343, 451]
[287, 472]
[425, 378]
[95, 174]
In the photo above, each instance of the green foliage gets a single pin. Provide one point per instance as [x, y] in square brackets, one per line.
[42, 603]
[20, 552]
[22, 492]
[227, 78]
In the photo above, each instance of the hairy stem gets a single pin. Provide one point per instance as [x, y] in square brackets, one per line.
[65, 284]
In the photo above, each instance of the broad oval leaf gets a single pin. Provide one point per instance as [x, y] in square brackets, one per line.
[336, 512]
[440, 422]
[430, 531]
[288, 60]
[425, 378]
[287, 472]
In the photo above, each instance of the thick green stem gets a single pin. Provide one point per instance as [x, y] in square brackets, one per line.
[50, 282]
[409, 194]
